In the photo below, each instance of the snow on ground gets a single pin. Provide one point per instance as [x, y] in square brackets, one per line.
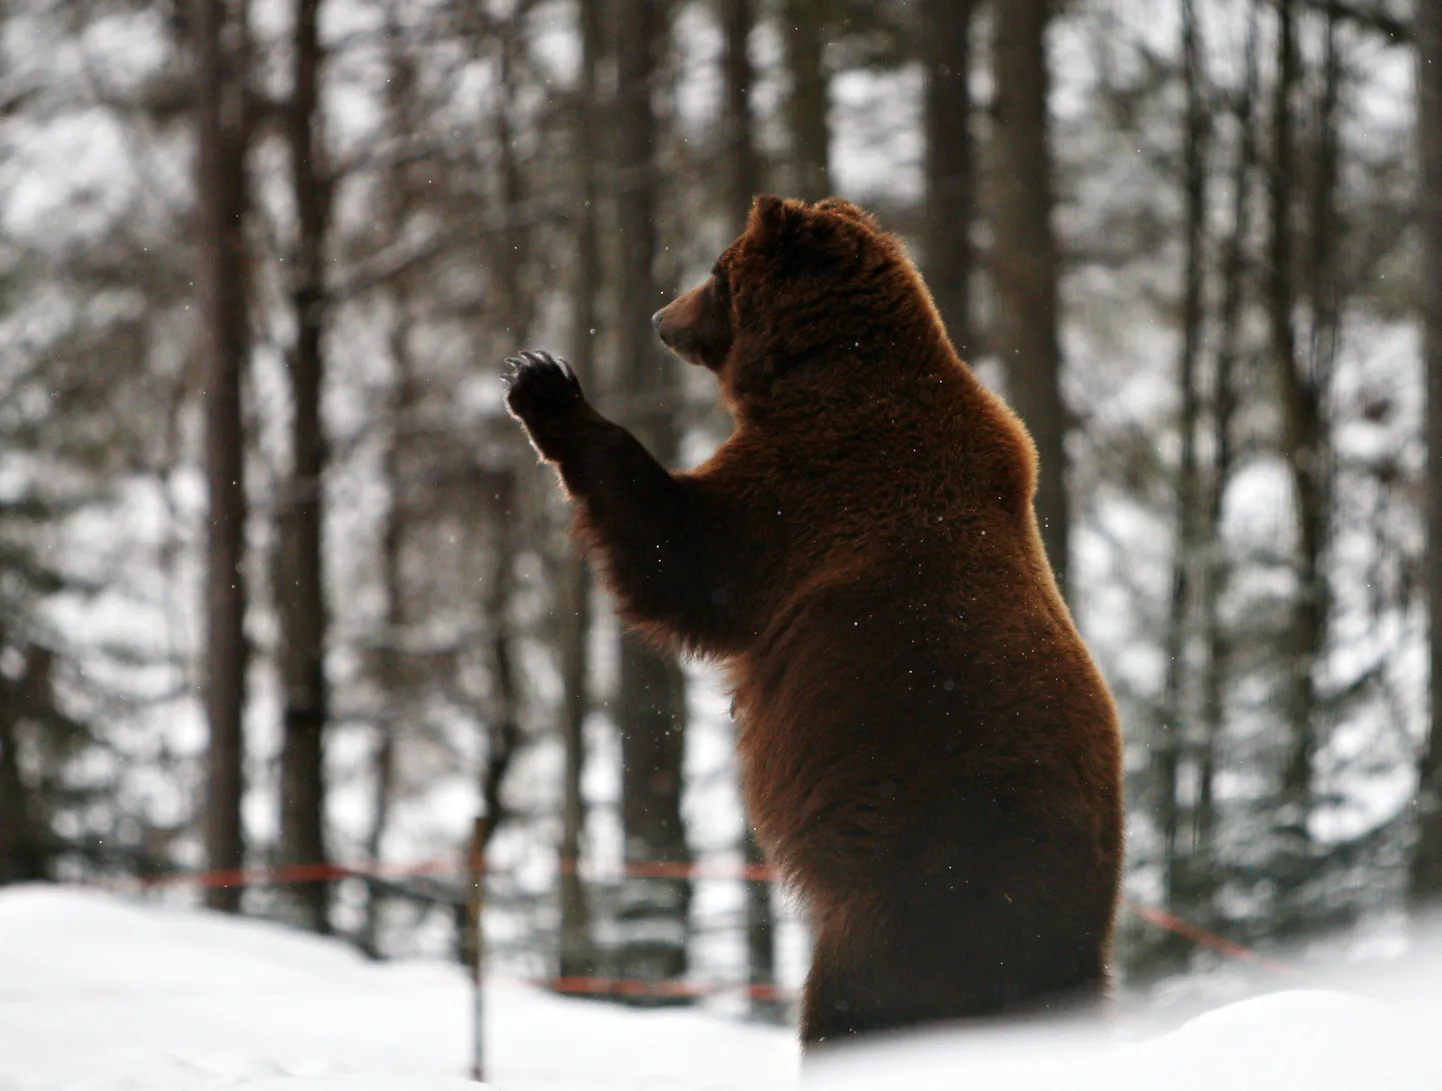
[99, 994]
[103, 994]
[1311, 1040]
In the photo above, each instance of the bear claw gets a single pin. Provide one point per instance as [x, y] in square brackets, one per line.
[539, 384]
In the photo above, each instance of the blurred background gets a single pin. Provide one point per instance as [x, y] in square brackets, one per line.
[281, 586]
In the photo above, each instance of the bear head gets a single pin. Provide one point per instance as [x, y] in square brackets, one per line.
[804, 286]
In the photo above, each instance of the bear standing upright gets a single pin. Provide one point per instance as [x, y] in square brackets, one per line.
[928, 752]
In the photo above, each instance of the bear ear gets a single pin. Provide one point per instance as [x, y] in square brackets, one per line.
[793, 232]
[774, 222]
[839, 206]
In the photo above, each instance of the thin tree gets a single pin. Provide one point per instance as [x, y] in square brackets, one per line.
[1215, 568]
[950, 182]
[222, 129]
[383, 756]
[25, 856]
[651, 700]
[578, 952]
[400, 202]
[1026, 265]
[743, 175]
[1189, 500]
[1307, 426]
[515, 308]
[301, 594]
[804, 30]
[1281, 304]
[510, 485]
[1426, 864]
[1304, 382]
[743, 182]
[503, 735]
[391, 656]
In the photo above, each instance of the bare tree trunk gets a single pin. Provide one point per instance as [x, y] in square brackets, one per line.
[515, 307]
[221, 138]
[578, 949]
[1426, 869]
[804, 29]
[760, 938]
[654, 912]
[1282, 303]
[1172, 748]
[22, 859]
[743, 183]
[382, 785]
[950, 182]
[400, 95]
[1234, 268]
[504, 733]
[1026, 266]
[1307, 428]
[1304, 440]
[27, 846]
[503, 736]
[513, 312]
[302, 608]
[742, 171]
[392, 542]
[651, 702]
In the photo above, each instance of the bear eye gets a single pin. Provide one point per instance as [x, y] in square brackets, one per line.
[720, 279]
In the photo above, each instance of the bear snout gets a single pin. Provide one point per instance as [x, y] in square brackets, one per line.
[674, 334]
[695, 327]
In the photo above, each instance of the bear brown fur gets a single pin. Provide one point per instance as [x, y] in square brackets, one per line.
[929, 754]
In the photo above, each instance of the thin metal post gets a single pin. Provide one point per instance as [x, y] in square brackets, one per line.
[474, 943]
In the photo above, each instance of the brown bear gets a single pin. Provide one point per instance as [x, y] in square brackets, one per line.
[929, 754]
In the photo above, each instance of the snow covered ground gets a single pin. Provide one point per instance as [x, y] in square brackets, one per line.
[98, 994]
[101, 994]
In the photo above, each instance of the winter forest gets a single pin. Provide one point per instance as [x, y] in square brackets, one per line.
[285, 590]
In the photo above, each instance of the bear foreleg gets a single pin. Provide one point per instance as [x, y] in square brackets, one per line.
[669, 546]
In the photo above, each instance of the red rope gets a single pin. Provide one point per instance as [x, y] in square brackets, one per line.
[625, 986]
[284, 874]
[1200, 936]
[317, 873]
[640, 869]
[676, 869]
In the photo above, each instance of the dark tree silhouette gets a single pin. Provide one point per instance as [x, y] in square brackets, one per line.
[804, 25]
[1026, 264]
[651, 701]
[950, 177]
[222, 136]
[301, 591]
[578, 952]
[1426, 871]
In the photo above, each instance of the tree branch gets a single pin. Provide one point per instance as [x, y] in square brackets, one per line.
[1399, 30]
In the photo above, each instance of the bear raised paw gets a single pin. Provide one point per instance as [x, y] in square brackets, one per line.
[928, 752]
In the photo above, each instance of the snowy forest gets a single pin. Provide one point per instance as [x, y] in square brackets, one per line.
[284, 589]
